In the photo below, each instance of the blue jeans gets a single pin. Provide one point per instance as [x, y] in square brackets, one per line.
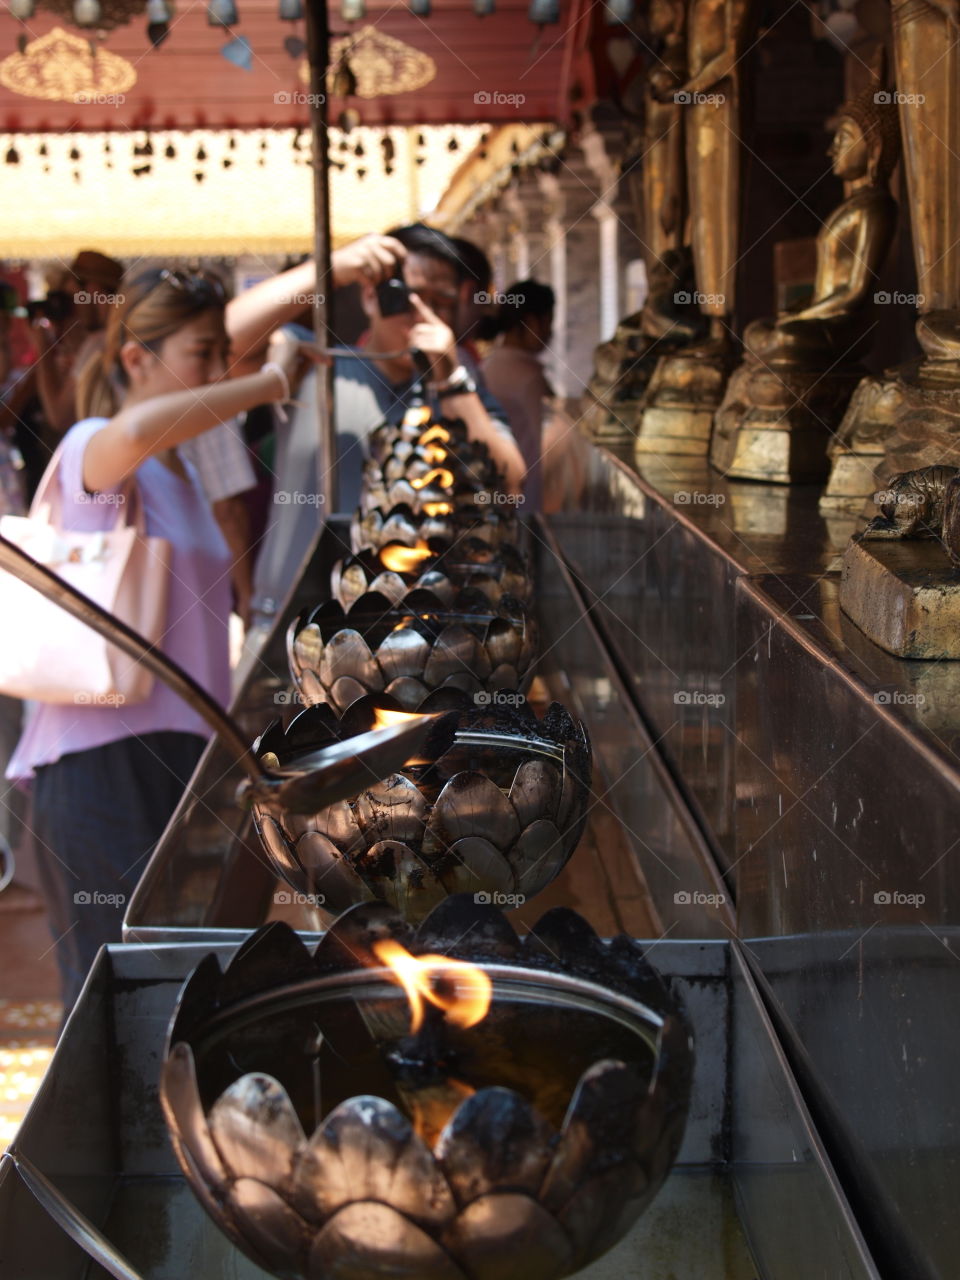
[97, 816]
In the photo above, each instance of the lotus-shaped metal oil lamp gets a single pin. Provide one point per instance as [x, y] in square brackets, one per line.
[518, 1132]
[339, 655]
[419, 431]
[396, 570]
[495, 804]
[438, 517]
[399, 472]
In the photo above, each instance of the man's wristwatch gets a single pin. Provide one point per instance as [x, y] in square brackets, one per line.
[458, 384]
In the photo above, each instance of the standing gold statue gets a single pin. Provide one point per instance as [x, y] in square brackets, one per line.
[717, 41]
[664, 179]
[926, 425]
[669, 319]
[800, 370]
[686, 388]
[926, 35]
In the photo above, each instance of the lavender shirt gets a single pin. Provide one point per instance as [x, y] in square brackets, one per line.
[197, 616]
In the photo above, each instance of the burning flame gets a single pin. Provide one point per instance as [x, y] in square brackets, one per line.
[383, 718]
[417, 416]
[437, 509]
[435, 453]
[436, 432]
[405, 559]
[461, 990]
[441, 475]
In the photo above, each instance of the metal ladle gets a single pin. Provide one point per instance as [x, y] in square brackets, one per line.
[304, 785]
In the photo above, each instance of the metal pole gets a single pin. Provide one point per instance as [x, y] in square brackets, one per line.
[318, 55]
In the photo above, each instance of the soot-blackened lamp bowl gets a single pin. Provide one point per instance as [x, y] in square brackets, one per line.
[339, 655]
[440, 518]
[328, 1144]
[495, 804]
[395, 570]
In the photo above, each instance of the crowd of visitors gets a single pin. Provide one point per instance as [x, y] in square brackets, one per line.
[154, 388]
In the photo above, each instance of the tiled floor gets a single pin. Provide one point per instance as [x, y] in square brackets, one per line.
[29, 1008]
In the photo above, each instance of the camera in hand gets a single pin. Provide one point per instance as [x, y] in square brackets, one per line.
[57, 305]
[393, 296]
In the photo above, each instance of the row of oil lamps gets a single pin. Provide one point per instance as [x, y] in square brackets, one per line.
[427, 1094]
[430, 613]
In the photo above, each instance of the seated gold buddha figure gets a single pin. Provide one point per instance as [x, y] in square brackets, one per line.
[851, 247]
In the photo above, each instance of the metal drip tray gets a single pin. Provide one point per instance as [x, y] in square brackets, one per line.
[752, 1196]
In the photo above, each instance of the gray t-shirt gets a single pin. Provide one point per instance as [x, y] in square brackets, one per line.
[363, 398]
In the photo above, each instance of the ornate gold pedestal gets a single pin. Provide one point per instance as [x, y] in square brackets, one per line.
[681, 400]
[926, 423]
[858, 448]
[609, 422]
[904, 595]
[775, 421]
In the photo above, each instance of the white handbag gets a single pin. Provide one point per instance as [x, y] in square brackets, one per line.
[46, 654]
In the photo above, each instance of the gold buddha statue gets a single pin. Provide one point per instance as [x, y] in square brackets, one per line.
[851, 245]
[926, 40]
[800, 370]
[669, 318]
[687, 385]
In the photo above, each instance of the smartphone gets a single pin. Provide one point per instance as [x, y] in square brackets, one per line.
[393, 297]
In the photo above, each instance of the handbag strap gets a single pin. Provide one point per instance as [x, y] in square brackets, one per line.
[47, 503]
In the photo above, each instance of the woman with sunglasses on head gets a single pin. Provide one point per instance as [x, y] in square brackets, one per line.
[107, 778]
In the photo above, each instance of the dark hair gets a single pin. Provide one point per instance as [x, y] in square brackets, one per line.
[523, 299]
[419, 238]
[154, 305]
[476, 264]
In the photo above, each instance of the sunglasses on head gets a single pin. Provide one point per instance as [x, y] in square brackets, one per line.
[201, 287]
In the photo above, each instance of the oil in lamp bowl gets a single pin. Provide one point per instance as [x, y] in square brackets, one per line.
[436, 516]
[495, 804]
[337, 655]
[396, 570]
[330, 1144]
